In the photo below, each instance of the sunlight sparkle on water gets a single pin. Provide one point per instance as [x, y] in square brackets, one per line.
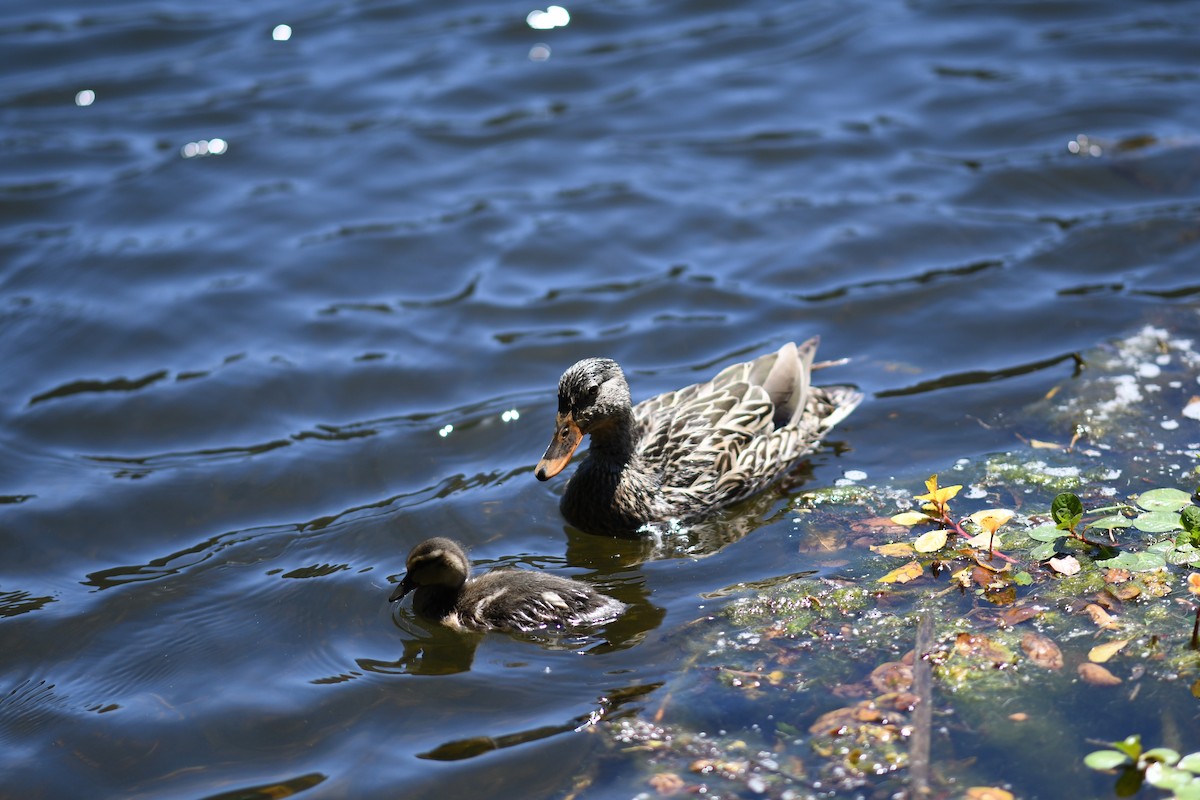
[204, 147]
[281, 33]
[85, 97]
[539, 52]
[512, 415]
[552, 17]
[445, 430]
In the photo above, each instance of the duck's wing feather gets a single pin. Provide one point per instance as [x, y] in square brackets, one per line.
[713, 443]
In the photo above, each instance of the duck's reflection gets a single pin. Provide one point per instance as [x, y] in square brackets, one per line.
[607, 707]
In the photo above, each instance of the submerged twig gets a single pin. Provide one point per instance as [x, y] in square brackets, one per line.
[920, 742]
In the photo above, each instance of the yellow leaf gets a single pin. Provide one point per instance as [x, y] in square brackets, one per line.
[1193, 580]
[910, 571]
[930, 542]
[962, 578]
[938, 496]
[1103, 652]
[944, 494]
[992, 518]
[895, 549]
[910, 518]
[982, 541]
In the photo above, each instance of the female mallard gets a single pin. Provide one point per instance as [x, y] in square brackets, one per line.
[684, 454]
[506, 599]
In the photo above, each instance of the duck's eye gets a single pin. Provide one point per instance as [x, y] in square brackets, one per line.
[592, 391]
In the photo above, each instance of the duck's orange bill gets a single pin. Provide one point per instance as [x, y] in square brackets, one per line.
[567, 437]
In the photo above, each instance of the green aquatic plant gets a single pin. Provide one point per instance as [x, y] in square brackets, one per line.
[1160, 767]
[1157, 511]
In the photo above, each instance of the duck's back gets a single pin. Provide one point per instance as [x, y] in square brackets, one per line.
[717, 442]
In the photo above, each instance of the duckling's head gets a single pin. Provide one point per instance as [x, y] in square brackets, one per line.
[591, 394]
[434, 562]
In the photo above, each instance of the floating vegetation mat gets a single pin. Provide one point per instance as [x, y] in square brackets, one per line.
[974, 634]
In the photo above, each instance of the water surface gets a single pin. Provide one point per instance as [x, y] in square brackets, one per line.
[241, 380]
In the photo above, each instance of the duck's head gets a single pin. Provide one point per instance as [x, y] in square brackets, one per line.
[591, 394]
[434, 562]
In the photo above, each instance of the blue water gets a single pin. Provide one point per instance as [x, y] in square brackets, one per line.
[267, 308]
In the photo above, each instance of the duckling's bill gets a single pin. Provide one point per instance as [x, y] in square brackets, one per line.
[567, 437]
[405, 586]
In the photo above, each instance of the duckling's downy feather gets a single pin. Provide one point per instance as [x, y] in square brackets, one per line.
[439, 574]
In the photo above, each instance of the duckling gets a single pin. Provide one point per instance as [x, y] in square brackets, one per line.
[504, 599]
[685, 454]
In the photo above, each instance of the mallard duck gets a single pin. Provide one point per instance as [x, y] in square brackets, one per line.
[684, 454]
[505, 599]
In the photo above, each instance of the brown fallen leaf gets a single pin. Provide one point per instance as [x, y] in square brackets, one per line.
[895, 549]
[977, 644]
[666, 783]
[1065, 565]
[898, 701]
[1194, 582]
[1117, 575]
[891, 676]
[1103, 652]
[877, 525]
[1097, 675]
[1100, 617]
[987, 793]
[1042, 650]
[1126, 591]
[1015, 616]
[983, 578]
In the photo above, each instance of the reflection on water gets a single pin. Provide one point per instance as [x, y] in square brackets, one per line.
[281, 297]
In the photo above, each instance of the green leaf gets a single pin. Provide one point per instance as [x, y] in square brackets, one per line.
[1158, 522]
[1130, 746]
[1163, 755]
[1105, 759]
[1043, 551]
[1022, 578]
[1067, 510]
[1046, 533]
[1188, 791]
[1189, 517]
[1110, 522]
[1166, 777]
[1138, 562]
[1182, 554]
[1164, 500]
[1190, 762]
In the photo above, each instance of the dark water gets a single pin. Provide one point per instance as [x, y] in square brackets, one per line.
[225, 376]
